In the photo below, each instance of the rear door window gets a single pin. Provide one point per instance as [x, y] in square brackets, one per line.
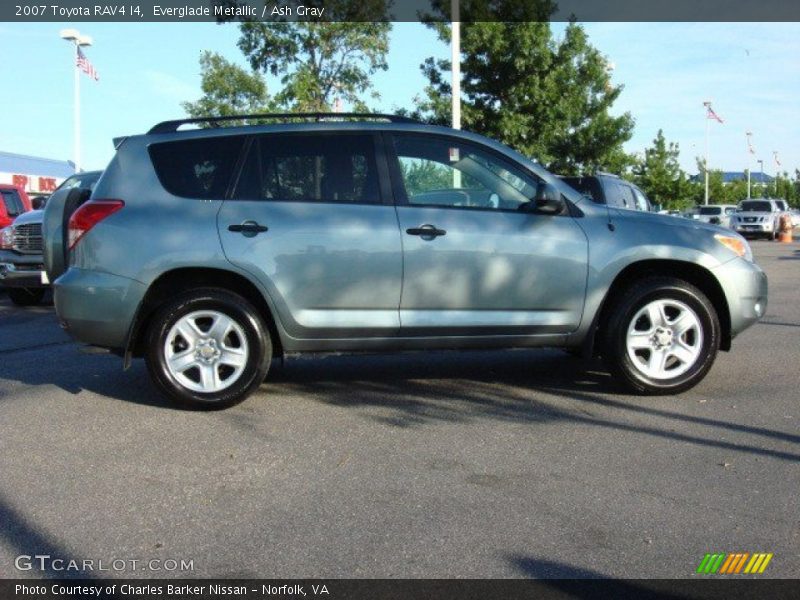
[311, 168]
[197, 168]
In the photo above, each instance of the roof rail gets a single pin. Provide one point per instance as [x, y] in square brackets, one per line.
[172, 126]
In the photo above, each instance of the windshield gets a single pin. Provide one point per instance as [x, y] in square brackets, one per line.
[710, 210]
[755, 206]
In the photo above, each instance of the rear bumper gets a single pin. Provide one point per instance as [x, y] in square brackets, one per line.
[20, 270]
[746, 290]
[97, 308]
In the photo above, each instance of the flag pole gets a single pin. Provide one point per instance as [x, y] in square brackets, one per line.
[77, 109]
[707, 105]
[749, 161]
[74, 37]
[777, 170]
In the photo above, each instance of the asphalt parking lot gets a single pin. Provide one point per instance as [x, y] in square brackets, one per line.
[479, 464]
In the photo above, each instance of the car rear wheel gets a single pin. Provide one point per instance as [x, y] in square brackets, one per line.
[26, 296]
[208, 349]
[662, 336]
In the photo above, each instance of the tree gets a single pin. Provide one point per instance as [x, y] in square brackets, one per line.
[660, 174]
[228, 89]
[545, 98]
[320, 61]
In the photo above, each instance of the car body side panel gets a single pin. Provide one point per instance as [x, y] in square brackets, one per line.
[638, 237]
[155, 232]
[333, 270]
[504, 272]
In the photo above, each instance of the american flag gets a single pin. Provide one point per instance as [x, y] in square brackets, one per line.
[84, 65]
[712, 115]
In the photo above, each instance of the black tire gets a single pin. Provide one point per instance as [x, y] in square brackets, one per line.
[256, 333]
[26, 296]
[625, 308]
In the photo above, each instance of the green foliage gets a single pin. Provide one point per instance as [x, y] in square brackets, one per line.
[546, 98]
[424, 175]
[228, 90]
[660, 175]
[318, 61]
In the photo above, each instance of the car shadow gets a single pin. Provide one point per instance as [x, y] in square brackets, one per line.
[408, 390]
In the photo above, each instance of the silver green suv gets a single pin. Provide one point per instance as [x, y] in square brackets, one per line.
[210, 251]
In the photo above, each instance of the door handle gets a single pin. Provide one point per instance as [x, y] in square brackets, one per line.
[426, 232]
[248, 227]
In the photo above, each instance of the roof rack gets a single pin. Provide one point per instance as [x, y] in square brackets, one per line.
[172, 126]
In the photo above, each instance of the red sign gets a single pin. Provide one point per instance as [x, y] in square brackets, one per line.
[47, 184]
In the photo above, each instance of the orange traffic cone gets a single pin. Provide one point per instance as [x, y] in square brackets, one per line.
[785, 234]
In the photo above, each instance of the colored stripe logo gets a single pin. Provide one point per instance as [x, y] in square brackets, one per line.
[734, 563]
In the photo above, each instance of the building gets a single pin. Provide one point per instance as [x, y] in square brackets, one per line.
[38, 176]
[728, 177]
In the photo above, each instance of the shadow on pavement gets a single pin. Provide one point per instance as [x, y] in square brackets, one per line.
[19, 533]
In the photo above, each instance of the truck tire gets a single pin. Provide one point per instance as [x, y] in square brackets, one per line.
[26, 296]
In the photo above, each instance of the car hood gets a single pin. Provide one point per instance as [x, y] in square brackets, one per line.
[753, 214]
[32, 216]
[674, 221]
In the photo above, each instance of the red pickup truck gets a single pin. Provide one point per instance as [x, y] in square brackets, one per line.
[13, 202]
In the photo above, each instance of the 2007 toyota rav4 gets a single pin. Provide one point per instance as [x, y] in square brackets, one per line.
[209, 251]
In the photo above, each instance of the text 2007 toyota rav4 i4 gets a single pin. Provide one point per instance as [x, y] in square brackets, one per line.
[209, 251]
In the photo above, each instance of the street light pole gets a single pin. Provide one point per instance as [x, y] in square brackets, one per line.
[455, 83]
[77, 40]
[761, 162]
[455, 60]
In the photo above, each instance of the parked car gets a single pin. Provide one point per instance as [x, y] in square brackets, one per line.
[210, 251]
[795, 214]
[21, 260]
[605, 188]
[13, 202]
[716, 214]
[757, 217]
[783, 206]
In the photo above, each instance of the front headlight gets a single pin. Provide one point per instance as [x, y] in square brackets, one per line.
[7, 238]
[735, 244]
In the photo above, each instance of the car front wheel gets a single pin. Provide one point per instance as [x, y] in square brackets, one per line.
[208, 349]
[661, 337]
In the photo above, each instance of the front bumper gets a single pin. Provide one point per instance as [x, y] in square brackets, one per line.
[97, 308]
[21, 270]
[746, 290]
[752, 228]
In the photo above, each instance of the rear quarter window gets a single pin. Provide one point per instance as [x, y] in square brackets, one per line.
[197, 168]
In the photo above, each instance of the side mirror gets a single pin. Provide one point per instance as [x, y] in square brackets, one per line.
[548, 200]
[38, 202]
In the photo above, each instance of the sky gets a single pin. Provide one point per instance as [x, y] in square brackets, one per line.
[750, 71]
